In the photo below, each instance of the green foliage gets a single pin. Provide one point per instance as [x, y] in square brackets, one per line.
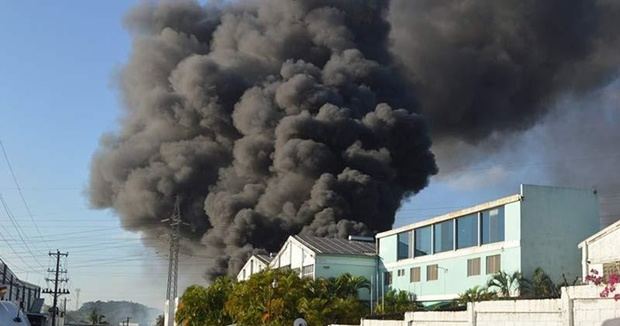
[476, 294]
[205, 306]
[394, 302]
[160, 320]
[540, 286]
[96, 319]
[506, 285]
[275, 298]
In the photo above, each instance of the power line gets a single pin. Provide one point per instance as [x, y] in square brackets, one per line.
[19, 189]
[18, 229]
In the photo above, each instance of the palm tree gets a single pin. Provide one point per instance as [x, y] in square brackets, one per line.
[475, 294]
[541, 286]
[95, 318]
[159, 321]
[507, 284]
[347, 285]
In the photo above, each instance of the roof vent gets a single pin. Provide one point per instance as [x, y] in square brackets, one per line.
[361, 238]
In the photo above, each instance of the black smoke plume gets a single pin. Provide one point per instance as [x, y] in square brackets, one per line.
[267, 119]
[274, 117]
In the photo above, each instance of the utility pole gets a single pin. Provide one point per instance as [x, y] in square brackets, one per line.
[57, 280]
[127, 322]
[173, 263]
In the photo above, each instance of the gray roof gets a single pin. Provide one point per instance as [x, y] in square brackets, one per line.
[264, 258]
[337, 246]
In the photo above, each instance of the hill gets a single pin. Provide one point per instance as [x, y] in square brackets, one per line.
[115, 312]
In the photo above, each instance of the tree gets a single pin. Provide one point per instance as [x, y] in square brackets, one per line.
[397, 302]
[476, 294]
[160, 320]
[95, 318]
[270, 297]
[540, 286]
[205, 306]
[333, 300]
[506, 284]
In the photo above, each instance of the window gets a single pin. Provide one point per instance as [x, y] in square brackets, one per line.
[403, 245]
[611, 268]
[494, 264]
[387, 278]
[467, 231]
[414, 274]
[243, 277]
[401, 272]
[307, 271]
[443, 236]
[431, 272]
[423, 241]
[492, 225]
[473, 267]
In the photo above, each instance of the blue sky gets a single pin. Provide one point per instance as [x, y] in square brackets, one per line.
[57, 96]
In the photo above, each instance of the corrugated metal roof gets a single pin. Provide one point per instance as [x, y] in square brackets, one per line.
[264, 258]
[337, 246]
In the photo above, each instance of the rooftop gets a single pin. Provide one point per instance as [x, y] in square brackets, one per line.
[264, 258]
[451, 215]
[337, 246]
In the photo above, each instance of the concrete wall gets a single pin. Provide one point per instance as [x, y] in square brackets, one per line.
[553, 222]
[578, 306]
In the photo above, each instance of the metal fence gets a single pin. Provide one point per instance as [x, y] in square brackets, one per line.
[18, 291]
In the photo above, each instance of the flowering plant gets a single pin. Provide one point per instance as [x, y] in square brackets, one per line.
[610, 283]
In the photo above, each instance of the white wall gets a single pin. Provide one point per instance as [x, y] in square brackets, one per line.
[579, 306]
[252, 266]
[293, 254]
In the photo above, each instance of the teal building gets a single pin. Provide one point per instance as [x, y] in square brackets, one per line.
[439, 258]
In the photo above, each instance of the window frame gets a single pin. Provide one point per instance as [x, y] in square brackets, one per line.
[430, 240]
[489, 261]
[475, 238]
[471, 264]
[415, 271]
[431, 270]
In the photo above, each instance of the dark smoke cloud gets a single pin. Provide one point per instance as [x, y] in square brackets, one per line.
[483, 67]
[267, 118]
[274, 117]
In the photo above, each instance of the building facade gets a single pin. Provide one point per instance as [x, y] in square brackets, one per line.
[20, 292]
[317, 257]
[601, 251]
[253, 265]
[439, 258]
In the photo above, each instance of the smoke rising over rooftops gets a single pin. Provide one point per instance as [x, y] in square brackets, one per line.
[274, 117]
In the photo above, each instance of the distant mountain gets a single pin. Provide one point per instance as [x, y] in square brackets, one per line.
[115, 312]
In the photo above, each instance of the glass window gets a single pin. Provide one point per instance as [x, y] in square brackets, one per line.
[432, 272]
[387, 278]
[442, 236]
[403, 245]
[414, 275]
[467, 231]
[307, 271]
[423, 241]
[492, 225]
[494, 264]
[473, 267]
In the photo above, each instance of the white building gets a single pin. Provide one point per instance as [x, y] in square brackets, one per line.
[601, 251]
[255, 264]
[318, 257]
